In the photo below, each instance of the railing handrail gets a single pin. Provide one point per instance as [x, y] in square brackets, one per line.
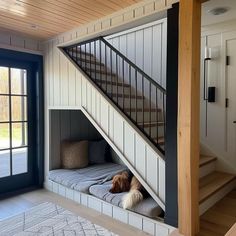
[123, 57]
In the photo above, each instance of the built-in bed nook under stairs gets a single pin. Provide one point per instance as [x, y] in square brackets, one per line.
[71, 133]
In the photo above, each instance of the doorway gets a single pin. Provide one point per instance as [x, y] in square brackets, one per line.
[21, 137]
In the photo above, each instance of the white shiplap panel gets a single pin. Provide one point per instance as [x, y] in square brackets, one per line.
[51, 77]
[111, 123]
[129, 143]
[72, 84]
[104, 115]
[56, 75]
[152, 170]
[64, 64]
[140, 156]
[146, 47]
[84, 93]
[118, 131]
[120, 215]
[93, 98]
[164, 52]
[98, 108]
[31, 44]
[5, 38]
[161, 179]
[78, 88]
[135, 221]
[89, 98]
[17, 41]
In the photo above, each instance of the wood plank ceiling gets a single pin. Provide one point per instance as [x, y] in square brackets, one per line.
[46, 18]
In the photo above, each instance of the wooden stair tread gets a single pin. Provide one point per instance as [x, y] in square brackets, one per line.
[98, 71]
[151, 124]
[232, 231]
[120, 84]
[213, 182]
[206, 160]
[142, 110]
[119, 95]
[160, 140]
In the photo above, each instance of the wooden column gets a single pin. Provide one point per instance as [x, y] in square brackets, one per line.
[189, 116]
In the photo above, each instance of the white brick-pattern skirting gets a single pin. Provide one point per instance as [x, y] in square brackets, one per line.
[148, 225]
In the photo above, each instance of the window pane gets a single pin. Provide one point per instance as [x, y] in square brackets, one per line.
[4, 82]
[4, 108]
[19, 161]
[5, 168]
[19, 134]
[4, 136]
[18, 81]
[19, 108]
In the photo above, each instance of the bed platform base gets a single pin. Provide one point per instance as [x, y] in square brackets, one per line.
[148, 225]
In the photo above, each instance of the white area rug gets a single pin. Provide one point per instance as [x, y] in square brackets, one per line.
[50, 219]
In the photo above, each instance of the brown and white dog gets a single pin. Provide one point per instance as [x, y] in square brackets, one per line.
[124, 182]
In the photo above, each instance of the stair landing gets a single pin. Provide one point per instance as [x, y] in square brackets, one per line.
[218, 220]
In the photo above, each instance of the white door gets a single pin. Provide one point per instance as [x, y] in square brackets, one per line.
[231, 95]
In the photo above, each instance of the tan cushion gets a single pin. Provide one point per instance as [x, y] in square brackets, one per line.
[74, 155]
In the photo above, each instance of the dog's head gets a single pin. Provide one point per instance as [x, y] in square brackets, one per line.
[120, 183]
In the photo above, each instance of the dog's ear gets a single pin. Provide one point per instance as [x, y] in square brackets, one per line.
[115, 187]
[126, 185]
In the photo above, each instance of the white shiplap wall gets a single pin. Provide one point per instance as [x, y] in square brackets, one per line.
[16, 42]
[146, 47]
[67, 88]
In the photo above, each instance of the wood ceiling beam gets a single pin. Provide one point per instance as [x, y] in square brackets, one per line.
[189, 116]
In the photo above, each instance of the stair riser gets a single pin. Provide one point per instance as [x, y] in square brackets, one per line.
[127, 103]
[207, 169]
[212, 200]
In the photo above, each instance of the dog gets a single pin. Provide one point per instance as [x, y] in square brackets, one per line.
[124, 182]
[120, 182]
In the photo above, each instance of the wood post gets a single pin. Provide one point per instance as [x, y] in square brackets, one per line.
[189, 116]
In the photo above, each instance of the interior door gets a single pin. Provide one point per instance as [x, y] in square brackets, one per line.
[17, 122]
[231, 95]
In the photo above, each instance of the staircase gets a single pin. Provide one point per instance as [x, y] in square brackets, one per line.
[131, 90]
[213, 184]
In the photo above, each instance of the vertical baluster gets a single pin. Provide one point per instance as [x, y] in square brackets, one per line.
[100, 52]
[157, 108]
[130, 104]
[111, 73]
[95, 54]
[150, 108]
[143, 99]
[90, 60]
[106, 64]
[123, 80]
[80, 52]
[136, 97]
[76, 54]
[117, 79]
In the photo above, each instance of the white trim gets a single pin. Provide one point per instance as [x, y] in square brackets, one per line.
[19, 49]
[111, 210]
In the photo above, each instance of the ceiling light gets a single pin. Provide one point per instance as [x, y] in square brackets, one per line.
[218, 11]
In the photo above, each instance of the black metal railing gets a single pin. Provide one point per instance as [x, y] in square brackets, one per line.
[135, 93]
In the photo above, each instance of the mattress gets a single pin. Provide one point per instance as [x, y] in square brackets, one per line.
[82, 179]
[148, 207]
